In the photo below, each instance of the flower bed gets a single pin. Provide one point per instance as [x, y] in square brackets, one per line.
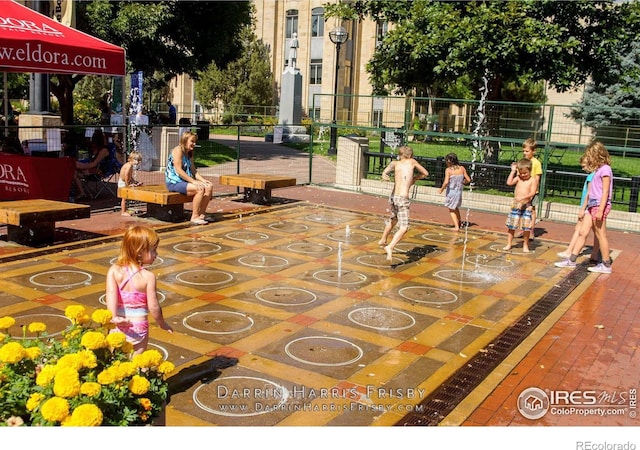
[87, 378]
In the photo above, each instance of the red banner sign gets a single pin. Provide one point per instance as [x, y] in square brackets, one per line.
[25, 177]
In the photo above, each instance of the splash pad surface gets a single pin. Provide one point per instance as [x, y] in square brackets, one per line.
[314, 340]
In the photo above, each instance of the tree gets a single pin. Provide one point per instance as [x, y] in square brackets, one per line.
[246, 81]
[167, 37]
[433, 43]
[610, 105]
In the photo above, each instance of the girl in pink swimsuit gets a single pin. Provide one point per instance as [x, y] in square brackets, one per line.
[131, 289]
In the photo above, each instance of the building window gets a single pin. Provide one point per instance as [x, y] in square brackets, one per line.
[381, 31]
[291, 23]
[317, 22]
[377, 118]
[315, 72]
[314, 113]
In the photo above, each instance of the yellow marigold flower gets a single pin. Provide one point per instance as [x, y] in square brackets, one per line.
[88, 415]
[127, 347]
[70, 360]
[32, 352]
[90, 388]
[7, 322]
[74, 312]
[145, 403]
[34, 401]
[166, 367]
[37, 327]
[93, 340]
[148, 358]
[12, 352]
[116, 339]
[84, 319]
[55, 409]
[106, 377]
[2, 335]
[139, 385]
[46, 375]
[87, 359]
[127, 369]
[102, 316]
[66, 383]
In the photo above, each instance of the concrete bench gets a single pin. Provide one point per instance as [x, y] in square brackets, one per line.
[33, 222]
[161, 204]
[257, 187]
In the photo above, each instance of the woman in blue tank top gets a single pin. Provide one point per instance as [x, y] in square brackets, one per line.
[182, 176]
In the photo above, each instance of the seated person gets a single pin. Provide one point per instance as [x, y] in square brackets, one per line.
[99, 155]
[127, 178]
[181, 176]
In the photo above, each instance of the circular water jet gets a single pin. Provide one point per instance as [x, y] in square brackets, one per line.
[352, 238]
[440, 237]
[263, 261]
[247, 236]
[323, 218]
[428, 295]
[345, 277]
[377, 227]
[383, 319]
[218, 322]
[312, 248]
[197, 248]
[467, 276]
[204, 277]
[378, 261]
[224, 391]
[286, 296]
[289, 227]
[483, 260]
[323, 351]
[61, 278]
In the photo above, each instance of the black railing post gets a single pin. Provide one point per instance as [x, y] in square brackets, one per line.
[633, 198]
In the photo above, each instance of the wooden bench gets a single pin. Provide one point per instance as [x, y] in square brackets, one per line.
[161, 204]
[257, 187]
[33, 222]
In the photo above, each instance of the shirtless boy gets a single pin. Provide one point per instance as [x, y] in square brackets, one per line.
[524, 191]
[403, 174]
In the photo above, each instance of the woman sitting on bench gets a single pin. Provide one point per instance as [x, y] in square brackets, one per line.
[181, 176]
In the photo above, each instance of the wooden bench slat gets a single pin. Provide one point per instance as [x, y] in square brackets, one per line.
[161, 203]
[257, 181]
[33, 222]
[20, 212]
[157, 194]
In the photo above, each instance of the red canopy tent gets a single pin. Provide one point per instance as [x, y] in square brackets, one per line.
[33, 42]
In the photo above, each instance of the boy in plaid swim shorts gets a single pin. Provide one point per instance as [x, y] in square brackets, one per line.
[403, 174]
[520, 216]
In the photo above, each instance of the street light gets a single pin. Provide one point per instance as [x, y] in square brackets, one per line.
[338, 36]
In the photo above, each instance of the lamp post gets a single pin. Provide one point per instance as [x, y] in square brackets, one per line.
[338, 36]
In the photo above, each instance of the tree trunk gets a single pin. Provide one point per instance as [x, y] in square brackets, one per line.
[63, 91]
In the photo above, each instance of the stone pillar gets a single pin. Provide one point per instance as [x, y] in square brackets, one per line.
[351, 165]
